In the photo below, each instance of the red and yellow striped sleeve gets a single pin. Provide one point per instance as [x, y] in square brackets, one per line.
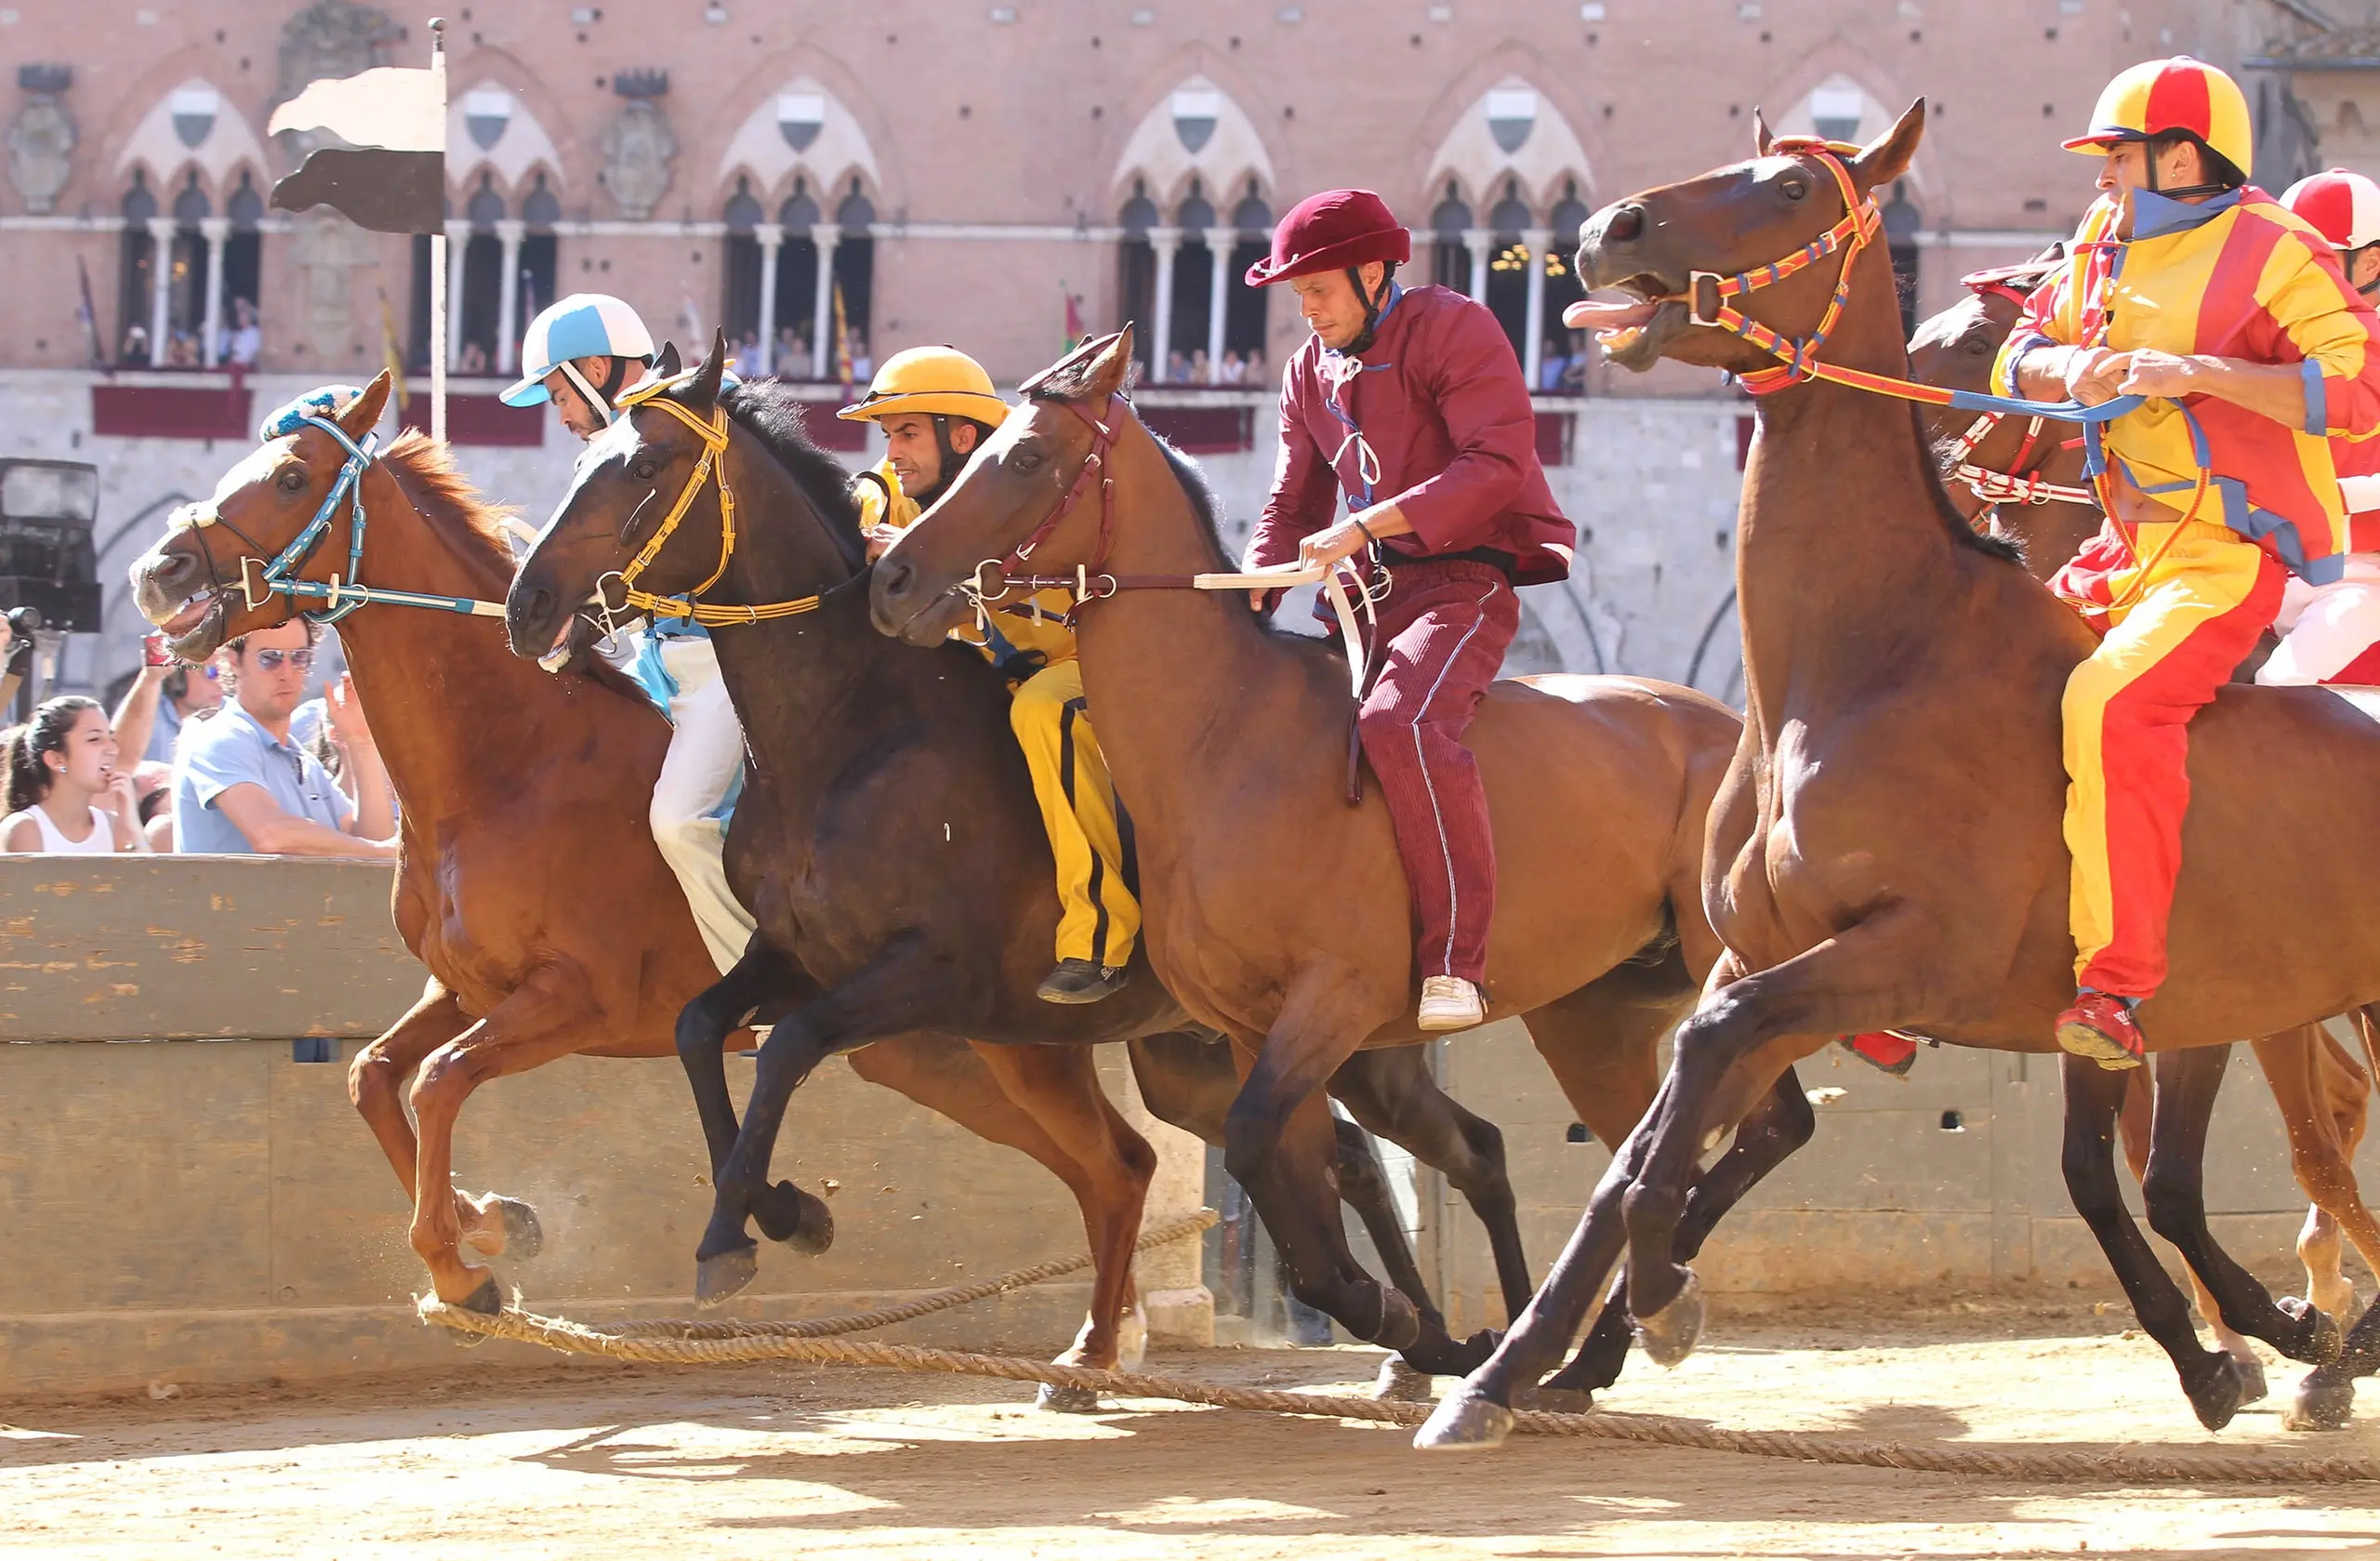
[2310, 302]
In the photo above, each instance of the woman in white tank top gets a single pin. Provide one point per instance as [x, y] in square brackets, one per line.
[60, 786]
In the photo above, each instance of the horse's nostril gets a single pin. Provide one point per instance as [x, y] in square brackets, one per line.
[541, 605]
[897, 576]
[1627, 225]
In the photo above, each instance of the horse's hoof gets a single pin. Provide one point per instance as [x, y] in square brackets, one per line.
[1669, 1335]
[1058, 1401]
[1400, 1324]
[1131, 1340]
[1400, 1383]
[715, 1279]
[786, 1213]
[2324, 1402]
[1466, 1420]
[1555, 1400]
[2215, 1389]
[524, 1234]
[2323, 1339]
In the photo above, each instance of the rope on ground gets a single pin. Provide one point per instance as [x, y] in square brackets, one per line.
[690, 1341]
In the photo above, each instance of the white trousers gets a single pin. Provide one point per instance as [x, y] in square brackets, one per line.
[691, 799]
[2324, 627]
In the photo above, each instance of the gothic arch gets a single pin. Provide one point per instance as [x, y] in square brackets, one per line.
[524, 144]
[1195, 131]
[1836, 76]
[1510, 134]
[193, 124]
[801, 128]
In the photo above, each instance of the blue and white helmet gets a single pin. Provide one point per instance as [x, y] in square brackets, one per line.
[582, 326]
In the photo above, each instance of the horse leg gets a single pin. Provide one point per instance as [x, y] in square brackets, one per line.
[548, 1015]
[1867, 977]
[1058, 1087]
[761, 978]
[2323, 1095]
[1781, 1124]
[2210, 1378]
[904, 988]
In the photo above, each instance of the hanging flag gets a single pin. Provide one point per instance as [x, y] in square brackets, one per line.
[391, 174]
[1075, 333]
[392, 355]
[88, 316]
[843, 339]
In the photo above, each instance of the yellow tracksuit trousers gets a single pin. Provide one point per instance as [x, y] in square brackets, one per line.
[1098, 918]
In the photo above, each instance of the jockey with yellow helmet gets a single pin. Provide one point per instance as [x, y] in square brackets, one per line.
[580, 353]
[2192, 288]
[937, 405]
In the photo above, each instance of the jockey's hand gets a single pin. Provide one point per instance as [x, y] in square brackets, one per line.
[878, 538]
[2150, 373]
[1326, 548]
[2095, 374]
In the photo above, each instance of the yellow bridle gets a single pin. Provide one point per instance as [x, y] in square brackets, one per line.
[710, 465]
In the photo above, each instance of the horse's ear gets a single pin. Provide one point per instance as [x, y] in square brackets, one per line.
[1111, 367]
[361, 416]
[1763, 141]
[1888, 156]
[667, 364]
[701, 391]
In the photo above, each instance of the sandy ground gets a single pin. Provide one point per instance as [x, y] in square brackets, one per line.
[582, 1459]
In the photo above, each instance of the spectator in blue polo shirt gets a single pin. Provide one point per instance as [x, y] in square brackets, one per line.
[242, 787]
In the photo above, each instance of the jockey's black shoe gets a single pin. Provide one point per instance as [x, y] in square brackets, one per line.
[1081, 981]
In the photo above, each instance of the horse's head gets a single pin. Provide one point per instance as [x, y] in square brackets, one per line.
[1033, 484]
[202, 584]
[625, 487]
[1672, 246]
[1956, 348]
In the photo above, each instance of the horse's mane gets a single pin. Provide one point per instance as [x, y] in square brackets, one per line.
[1208, 510]
[771, 412]
[1930, 459]
[425, 470]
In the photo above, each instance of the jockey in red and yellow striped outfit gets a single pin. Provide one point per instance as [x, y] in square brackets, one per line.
[2194, 290]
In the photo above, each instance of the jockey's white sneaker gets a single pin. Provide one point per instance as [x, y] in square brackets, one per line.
[1449, 1002]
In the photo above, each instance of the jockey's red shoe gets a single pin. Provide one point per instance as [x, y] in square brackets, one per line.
[1894, 1054]
[2102, 1028]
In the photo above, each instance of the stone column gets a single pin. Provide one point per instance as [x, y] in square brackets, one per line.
[458, 240]
[1163, 242]
[825, 235]
[1537, 239]
[160, 283]
[508, 233]
[1479, 241]
[771, 237]
[215, 230]
[1218, 243]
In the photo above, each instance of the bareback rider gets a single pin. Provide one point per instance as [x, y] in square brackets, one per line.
[935, 405]
[2330, 634]
[1411, 402]
[2192, 288]
[580, 353]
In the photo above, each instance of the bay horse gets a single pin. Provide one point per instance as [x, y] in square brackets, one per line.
[887, 838]
[2023, 481]
[1893, 658]
[1277, 913]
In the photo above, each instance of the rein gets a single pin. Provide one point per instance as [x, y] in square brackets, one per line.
[2017, 484]
[710, 466]
[260, 581]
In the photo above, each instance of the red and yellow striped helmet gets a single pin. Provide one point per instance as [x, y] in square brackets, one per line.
[2159, 96]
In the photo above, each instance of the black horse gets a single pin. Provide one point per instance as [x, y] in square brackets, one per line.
[887, 839]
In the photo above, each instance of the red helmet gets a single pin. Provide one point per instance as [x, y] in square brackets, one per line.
[1332, 231]
[2344, 207]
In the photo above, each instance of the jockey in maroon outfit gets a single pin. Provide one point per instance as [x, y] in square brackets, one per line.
[1411, 401]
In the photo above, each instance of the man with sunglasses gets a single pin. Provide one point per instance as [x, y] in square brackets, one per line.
[243, 788]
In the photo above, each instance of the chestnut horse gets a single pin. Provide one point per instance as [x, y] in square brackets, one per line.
[1277, 913]
[1887, 853]
[2022, 480]
[886, 838]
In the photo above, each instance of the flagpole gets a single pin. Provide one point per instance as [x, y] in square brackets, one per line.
[438, 253]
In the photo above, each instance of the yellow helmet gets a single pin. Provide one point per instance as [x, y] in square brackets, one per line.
[928, 379]
[2159, 96]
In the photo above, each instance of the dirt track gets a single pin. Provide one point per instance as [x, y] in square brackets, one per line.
[592, 1460]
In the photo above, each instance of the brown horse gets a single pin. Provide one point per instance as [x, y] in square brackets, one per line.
[1887, 852]
[2022, 481]
[527, 878]
[1275, 912]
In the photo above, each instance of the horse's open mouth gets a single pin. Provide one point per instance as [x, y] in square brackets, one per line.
[1631, 334]
[193, 629]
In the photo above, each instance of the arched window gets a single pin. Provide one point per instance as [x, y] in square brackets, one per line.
[854, 272]
[483, 279]
[1194, 295]
[740, 312]
[1449, 256]
[1508, 265]
[1562, 290]
[1902, 221]
[243, 272]
[135, 273]
[540, 261]
[187, 282]
[797, 297]
[1136, 268]
[1244, 321]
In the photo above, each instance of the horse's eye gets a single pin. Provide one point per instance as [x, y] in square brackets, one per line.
[1979, 345]
[1794, 189]
[1026, 461]
[642, 468]
[294, 480]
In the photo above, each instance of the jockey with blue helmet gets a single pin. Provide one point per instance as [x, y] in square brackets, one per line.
[580, 353]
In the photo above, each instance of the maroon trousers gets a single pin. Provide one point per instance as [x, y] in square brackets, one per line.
[1441, 637]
